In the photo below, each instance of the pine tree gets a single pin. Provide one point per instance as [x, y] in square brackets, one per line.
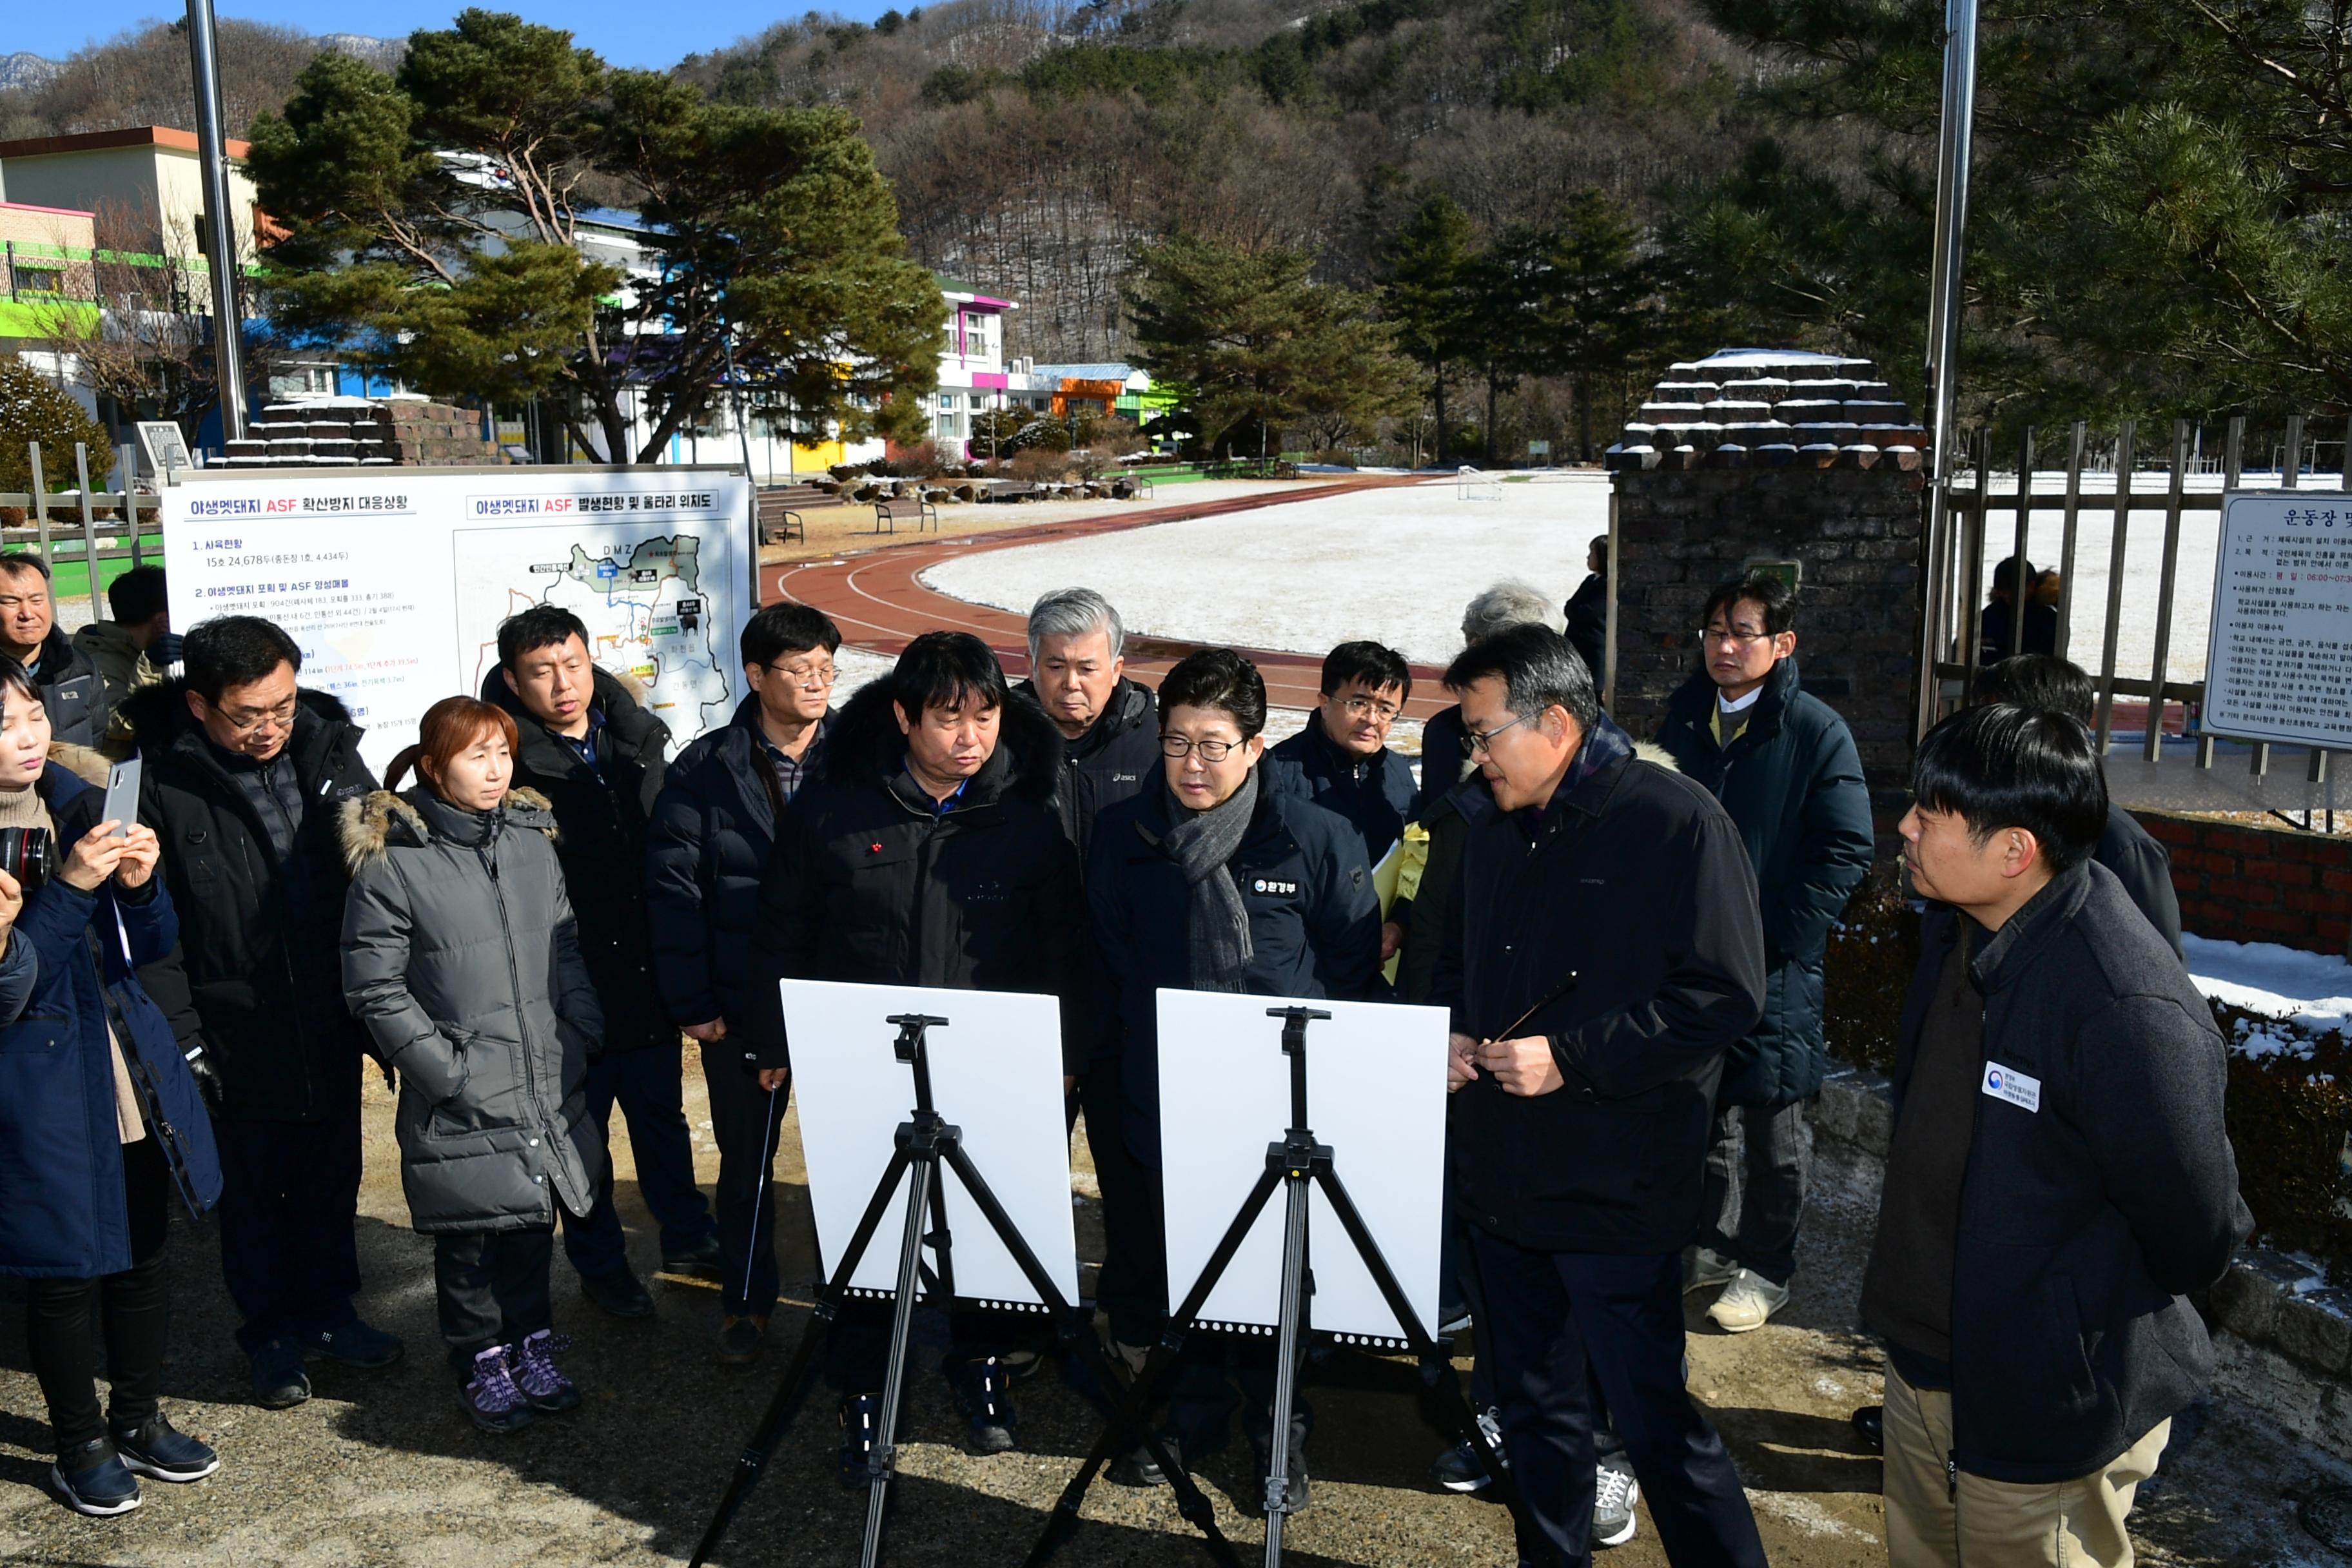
[1428, 296]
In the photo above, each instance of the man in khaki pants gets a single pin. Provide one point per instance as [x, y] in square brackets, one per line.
[2059, 1177]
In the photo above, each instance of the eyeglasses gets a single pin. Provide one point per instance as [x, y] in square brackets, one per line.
[1361, 708]
[1210, 750]
[1733, 634]
[278, 717]
[813, 676]
[1475, 742]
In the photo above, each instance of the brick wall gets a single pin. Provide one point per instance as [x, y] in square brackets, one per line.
[2239, 883]
[1855, 531]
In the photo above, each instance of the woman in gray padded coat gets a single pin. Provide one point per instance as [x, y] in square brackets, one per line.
[461, 958]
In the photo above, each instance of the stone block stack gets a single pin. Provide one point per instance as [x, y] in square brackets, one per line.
[1771, 408]
[360, 432]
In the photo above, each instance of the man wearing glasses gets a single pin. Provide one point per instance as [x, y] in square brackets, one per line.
[1341, 759]
[244, 776]
[706, 849]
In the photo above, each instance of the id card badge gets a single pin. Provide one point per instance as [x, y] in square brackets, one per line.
[2008, 1084]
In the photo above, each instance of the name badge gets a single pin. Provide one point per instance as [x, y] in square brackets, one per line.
[1275, 886]
[2011, 1085]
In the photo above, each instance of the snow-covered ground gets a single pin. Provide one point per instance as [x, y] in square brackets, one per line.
[1395, 563]
[2308, 989]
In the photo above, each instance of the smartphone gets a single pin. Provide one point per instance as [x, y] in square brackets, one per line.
[121, 796]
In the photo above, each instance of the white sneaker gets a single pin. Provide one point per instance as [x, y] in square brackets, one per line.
[1706, 1269]
[1614, 1493]
[1747, 1302]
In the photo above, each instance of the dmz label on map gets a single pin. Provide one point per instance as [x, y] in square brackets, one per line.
[2008, 1084]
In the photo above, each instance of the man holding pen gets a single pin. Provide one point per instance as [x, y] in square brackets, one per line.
[1585, 1106]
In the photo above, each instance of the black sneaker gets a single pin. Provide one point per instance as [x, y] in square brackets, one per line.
[354, 1345]
[861, 1423]
[1458, 1471]
[154, 1447]
[985, 1392]
[92, 1480]
[699, 1260]
[278, 1381]
[618, 1293]
[1137, 1467]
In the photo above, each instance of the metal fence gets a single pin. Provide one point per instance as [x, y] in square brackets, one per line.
[1979, 504]
[63, 525]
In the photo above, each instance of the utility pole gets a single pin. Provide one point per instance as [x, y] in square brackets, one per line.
[220, 222]
[1944, 333]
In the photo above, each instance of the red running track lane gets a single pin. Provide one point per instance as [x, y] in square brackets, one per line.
[877, 600]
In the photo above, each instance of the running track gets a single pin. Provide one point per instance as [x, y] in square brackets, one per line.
[878, 601]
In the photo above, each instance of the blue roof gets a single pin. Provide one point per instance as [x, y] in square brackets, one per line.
[615, 218]
[1085, 372]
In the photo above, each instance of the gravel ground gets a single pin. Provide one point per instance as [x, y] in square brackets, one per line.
[384, 1470]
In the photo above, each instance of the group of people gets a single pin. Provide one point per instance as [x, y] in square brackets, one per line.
[520, 938]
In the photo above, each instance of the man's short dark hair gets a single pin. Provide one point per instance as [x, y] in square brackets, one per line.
[16, 561]
[1772, 592]
[2006, 575]
[2039, 681]
[236, 650]
[1221, 678]
[537, 627]
[1538, 668]
[1376, 666]
[137, 596]
[946, 669]
[788, 627]
[2002, 765]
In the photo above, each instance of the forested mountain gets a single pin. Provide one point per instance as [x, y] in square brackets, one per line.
[141, 78]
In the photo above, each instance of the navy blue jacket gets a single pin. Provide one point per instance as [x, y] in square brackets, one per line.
[1792, 782]
[707, 847]
[1632, 879]
[1315, 923]
[2088, 1214]
[62, 1210]
[1373, 793]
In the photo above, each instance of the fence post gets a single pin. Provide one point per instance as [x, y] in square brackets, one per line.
[2022, 592]
[88, 529]
[2124, 459]
[2152, 744]
[128, 463]
[1971, 574]
[2066, 538]
[2233, 471]
[41, 501]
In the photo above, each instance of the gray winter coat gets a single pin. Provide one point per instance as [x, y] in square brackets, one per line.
[461, 957]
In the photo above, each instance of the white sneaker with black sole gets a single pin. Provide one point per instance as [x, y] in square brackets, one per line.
[1747, 1303]
[1614, 1493]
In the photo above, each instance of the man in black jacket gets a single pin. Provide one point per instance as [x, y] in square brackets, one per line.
[707, 847]
[1341, 759]
[1587, 608]
[597, 756]
[1784, 766]
[926, 850]
[242, 777]
[2125, 849]
[1606, 954]
[71, 688]
[2060, 1178]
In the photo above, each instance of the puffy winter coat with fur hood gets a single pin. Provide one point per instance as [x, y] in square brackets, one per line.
[461, 956]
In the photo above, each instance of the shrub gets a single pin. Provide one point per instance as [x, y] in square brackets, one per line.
[33, 408]
[1039, 465]
[1867, 970]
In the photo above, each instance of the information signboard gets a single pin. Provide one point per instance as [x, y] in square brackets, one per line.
[2279, 666]
[394, 580]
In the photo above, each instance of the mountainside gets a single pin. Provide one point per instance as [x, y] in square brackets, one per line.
[21, 71]
[141, 78]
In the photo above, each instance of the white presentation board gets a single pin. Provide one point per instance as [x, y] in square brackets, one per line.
[2279, 666]
[394, 580]
[996, 1073]
[1375, 1093]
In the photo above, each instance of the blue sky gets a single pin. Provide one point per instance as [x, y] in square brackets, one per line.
[616, 29]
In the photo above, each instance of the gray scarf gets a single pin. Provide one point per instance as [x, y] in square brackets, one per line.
[1217, 924]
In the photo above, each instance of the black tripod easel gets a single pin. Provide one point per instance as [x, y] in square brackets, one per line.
[1297, 1163]
[923, 1143]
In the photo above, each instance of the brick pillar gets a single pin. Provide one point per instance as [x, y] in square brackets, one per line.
[1856, 532]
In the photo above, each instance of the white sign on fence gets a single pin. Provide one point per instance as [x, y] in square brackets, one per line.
[2279, 666]
[394, 581]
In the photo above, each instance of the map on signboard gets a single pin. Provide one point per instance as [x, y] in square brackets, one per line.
[641, 596]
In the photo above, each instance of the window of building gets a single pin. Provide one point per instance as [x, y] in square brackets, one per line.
[38, 277]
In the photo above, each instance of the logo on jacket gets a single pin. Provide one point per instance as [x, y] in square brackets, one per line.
[2016, 1088]
[1125, 778]
[1274, 887]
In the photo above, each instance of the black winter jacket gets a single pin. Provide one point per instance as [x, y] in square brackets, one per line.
[258, 938]
[1588, 622]
[869, 883]
[1118, 757]
[1372, 794]
[73, 690]
[706, 850]
[1792, 782]
[1314, 923]
[2101, 1187]
[601, 844]
[1444, 763]
[2144, 870]
[1633, 881]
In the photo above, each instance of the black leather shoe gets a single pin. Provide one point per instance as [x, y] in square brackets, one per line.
[1870, 1425]
[699, 1261]
[618, 1293]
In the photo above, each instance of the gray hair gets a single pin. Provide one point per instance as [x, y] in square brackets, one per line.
[1509, 603]
[1074, 612]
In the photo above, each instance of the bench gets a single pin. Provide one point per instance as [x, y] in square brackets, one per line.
[887, 513]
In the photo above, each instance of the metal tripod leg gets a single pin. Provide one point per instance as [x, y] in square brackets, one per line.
[1291, 1325]
[882, 1461]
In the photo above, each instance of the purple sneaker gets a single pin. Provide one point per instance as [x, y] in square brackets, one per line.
[535, 1373]
[492, 1398]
